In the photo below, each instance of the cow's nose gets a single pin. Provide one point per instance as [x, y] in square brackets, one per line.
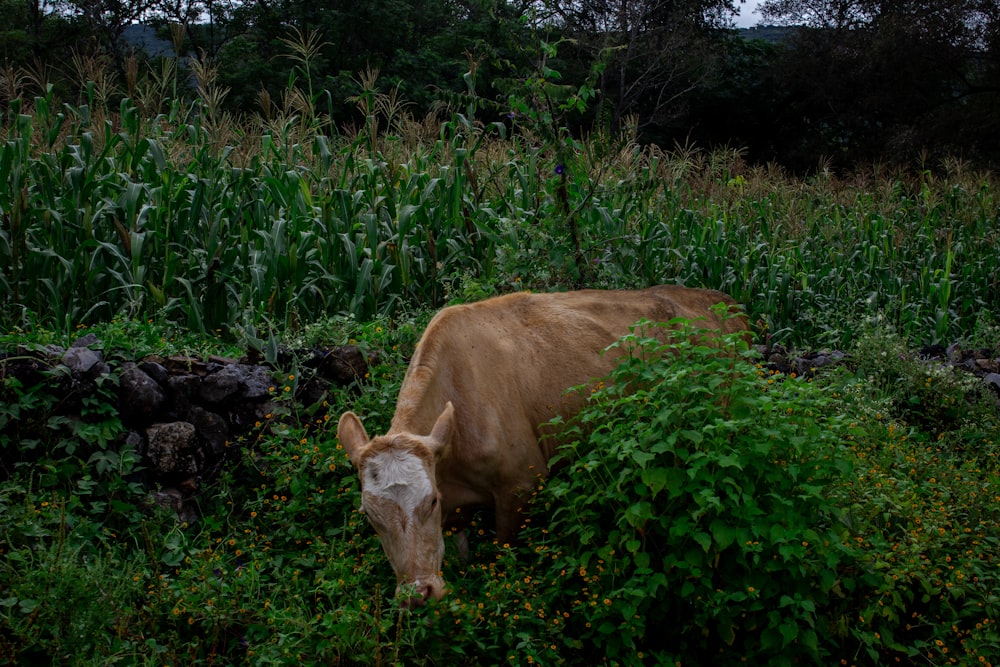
[420, 593]
[419, 596]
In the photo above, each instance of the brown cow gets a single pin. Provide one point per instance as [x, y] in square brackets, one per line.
[466, 429]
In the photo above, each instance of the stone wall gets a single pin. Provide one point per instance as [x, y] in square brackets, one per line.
[181, 412]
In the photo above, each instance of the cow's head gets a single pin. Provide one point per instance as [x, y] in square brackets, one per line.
[400, 497]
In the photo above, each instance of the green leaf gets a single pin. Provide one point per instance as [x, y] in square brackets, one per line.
[637, 514]
[723, 534]
[641, 458]
[730, 461]
[789, 631]
[656, 479]
[694, 436]
[810, 640]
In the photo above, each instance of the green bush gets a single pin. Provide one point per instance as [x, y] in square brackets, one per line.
[694, 518]
[65, 437]
[931, 394]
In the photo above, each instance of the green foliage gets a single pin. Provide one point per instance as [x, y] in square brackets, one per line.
[189, 219]
[66, 590]
[698, 489]
[769, 518]
[931, 394]
[851, 63]
[694, 486]
[925, 510]
[67, 435]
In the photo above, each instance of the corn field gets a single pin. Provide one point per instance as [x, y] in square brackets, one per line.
[218, 223]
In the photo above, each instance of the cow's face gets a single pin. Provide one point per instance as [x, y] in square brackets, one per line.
[400, 497]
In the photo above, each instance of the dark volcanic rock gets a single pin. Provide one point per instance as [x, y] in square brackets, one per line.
[183, 413]
[171, 447]
[257, 382]
[218, 386]
[142, 398]
[343, 365]
[84, 362]
[85, 341]
[211, 428]
[155, 371]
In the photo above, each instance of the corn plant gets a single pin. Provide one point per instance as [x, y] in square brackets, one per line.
[193, 216]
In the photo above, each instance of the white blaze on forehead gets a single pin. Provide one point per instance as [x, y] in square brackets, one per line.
[398, 476]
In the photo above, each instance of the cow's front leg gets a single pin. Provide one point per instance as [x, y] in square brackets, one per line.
[462, 544]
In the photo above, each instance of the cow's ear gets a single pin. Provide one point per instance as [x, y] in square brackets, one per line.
[352, 436]
[440, 436]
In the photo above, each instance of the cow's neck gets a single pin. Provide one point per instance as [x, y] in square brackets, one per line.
[420, 402]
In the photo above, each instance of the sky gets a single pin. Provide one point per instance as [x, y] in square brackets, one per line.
[748, 17]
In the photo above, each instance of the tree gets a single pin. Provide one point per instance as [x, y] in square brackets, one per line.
[33, 30]
[871, 78]
[657, 51]
[835, 14]
[421, 46]
[109, 18]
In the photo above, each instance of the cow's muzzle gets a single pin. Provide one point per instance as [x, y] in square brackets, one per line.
[418, 593]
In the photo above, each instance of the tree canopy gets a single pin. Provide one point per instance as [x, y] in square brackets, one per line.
[843, 80]
[891, 77]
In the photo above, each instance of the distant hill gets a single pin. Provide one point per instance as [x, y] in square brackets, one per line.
[143, 38]
[775, 34]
